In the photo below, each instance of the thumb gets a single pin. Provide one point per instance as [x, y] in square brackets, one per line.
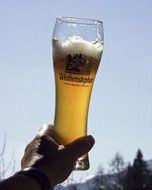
[80, 146]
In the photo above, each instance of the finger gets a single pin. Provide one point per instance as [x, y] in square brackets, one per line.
[47, 146]
[79, 147]
[48, 131]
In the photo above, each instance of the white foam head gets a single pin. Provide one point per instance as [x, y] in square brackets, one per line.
[76, 45]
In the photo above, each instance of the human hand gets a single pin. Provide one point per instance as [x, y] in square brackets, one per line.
[56, 161]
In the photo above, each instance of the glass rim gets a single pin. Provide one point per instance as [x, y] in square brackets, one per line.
[79, 20]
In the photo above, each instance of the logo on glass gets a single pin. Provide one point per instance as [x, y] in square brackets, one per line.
[78, 64]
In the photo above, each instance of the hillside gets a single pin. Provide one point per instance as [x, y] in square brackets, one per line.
[90, 184]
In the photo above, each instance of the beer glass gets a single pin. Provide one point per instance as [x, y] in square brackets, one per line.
[77, 50]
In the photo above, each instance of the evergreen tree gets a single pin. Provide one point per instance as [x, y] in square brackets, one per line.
[140, 173]
[128, 181]
[138, 176]
[149, 187]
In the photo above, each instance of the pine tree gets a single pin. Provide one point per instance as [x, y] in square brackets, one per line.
[149, 186]
[140, 173]
[128, 181]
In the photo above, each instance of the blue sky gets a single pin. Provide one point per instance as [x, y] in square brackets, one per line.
[121, 104]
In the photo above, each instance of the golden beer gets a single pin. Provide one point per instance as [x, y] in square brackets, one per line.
[75, 66]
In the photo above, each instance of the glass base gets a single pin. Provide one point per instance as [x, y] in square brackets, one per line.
[82, 163]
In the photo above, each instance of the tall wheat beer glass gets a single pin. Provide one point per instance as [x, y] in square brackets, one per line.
[77, 50]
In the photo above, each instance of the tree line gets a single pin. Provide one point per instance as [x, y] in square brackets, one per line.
[135, 176]
[121, 176]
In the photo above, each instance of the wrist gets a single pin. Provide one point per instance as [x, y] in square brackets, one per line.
[38, 176]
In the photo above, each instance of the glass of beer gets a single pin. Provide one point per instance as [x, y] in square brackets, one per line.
[77, 50]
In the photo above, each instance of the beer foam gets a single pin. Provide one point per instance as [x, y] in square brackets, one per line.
[76, 45]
